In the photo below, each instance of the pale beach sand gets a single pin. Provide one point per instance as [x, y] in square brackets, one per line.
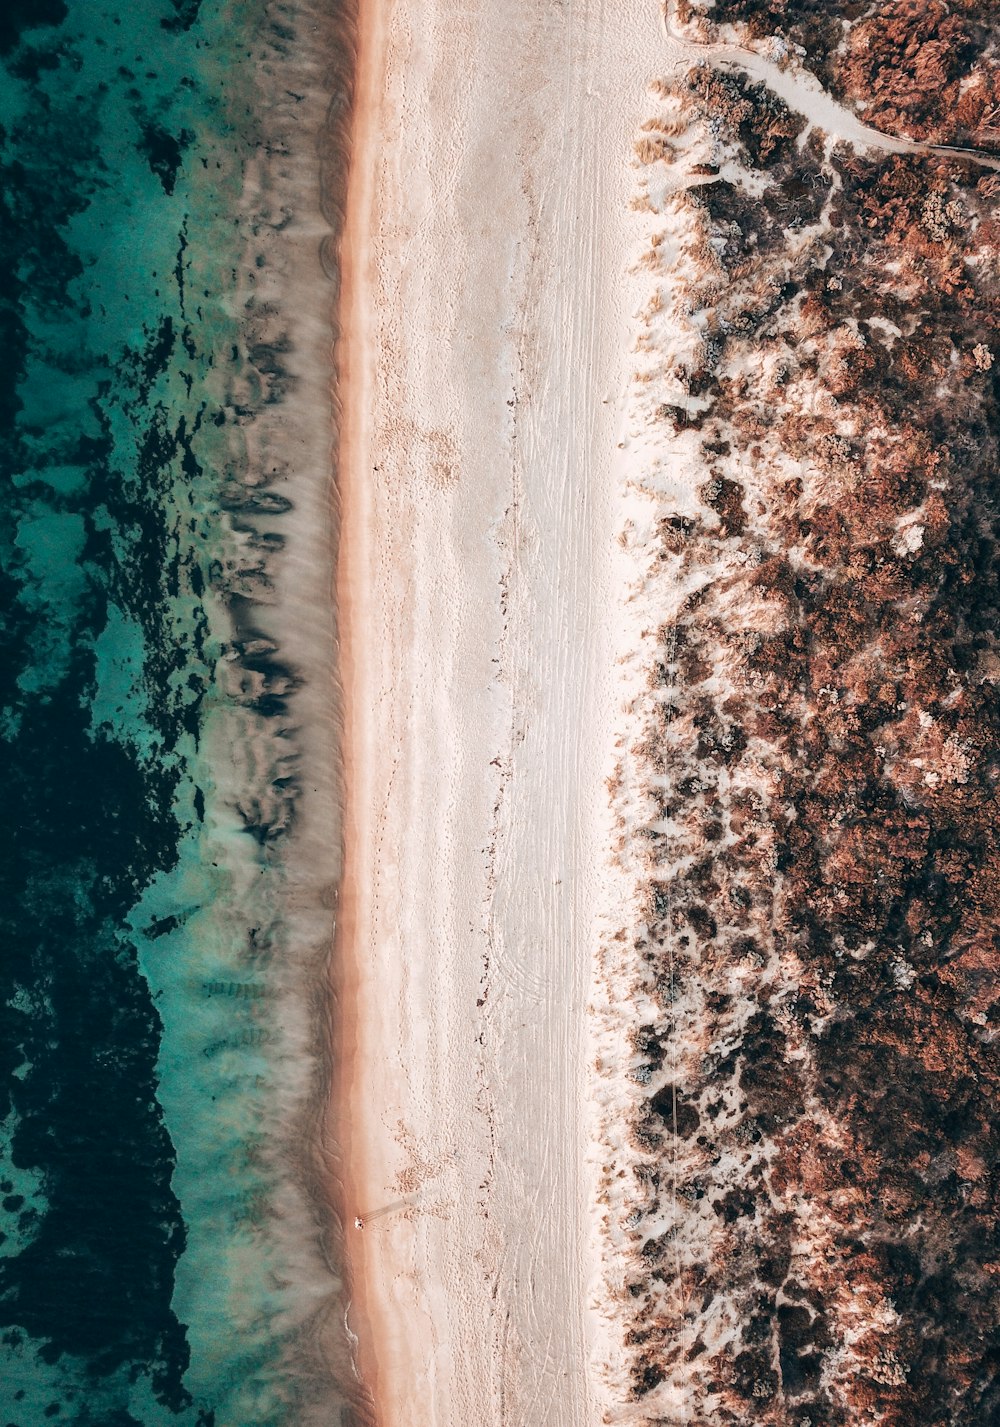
[481, 366]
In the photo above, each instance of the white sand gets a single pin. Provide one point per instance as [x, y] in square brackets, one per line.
[485, 353]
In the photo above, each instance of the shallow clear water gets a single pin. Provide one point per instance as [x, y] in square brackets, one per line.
[152, 1267]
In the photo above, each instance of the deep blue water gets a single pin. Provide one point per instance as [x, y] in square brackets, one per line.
[138, 1280]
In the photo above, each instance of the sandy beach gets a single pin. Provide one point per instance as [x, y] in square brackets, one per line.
[481, 365]
[502, 713]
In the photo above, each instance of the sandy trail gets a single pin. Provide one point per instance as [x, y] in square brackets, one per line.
[802, 92]
[483, 336]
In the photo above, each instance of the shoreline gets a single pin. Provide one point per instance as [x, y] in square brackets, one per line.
[351, 374]
[280, 761]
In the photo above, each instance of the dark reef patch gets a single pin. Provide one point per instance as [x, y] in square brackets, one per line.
[20, 15]
[164, 152]
[184, 16]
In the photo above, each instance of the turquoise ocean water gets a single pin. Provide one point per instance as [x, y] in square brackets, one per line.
[164, 1256]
